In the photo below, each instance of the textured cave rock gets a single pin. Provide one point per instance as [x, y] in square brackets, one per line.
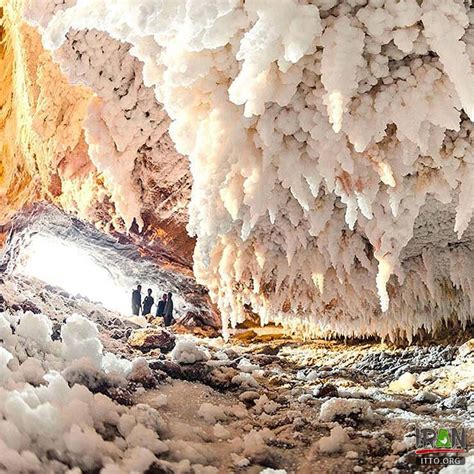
[330, 176]
[56, 158]
[40, 119]
[118, 254]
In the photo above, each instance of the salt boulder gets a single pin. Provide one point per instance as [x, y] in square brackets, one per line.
[405, 382]
[187, 352]
[342, 407]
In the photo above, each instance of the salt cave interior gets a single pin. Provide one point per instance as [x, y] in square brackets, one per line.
[299, 174]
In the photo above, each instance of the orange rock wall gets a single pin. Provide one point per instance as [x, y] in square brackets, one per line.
[41, 114]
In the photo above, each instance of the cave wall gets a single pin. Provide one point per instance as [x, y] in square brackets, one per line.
[61, 141]
[41, 117]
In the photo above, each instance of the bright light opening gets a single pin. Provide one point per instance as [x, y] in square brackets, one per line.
[63, 264]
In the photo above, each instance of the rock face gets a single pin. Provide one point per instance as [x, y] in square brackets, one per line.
[152, 338]
[202, 323]
[123, 263]
[38, 104]
[60, 155]
[329, 146]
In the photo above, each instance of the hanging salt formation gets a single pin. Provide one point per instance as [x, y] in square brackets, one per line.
[329, 142]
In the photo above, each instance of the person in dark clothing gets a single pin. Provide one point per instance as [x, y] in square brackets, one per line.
[137, 300]
[148, 302]
[160, 310]
[169, 310]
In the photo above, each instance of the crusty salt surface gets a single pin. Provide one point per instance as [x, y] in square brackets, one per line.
[321, 141]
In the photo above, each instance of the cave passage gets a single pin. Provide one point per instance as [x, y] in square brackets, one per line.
[61, 250]
[64, 264]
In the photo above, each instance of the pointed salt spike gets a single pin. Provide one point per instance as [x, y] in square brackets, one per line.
[384, 271]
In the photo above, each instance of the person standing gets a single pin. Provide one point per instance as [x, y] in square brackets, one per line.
[169, 310]
[148, 303]
[160, 310]
[137, 300]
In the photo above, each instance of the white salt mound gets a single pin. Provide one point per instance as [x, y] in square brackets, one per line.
[41, 412]
[5, 357]
[403, 383]
[80, 337]
[187, 351]
[35, 327]
[345, 407]
[246, 366]
[113, 364]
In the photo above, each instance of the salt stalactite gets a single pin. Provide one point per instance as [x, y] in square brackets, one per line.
[342, 56]
[321, 136]
[122, 119]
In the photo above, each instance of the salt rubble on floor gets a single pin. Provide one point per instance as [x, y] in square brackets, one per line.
[342, 406]
[187, 352]
[333, 443]
[241, 412]
[51, 419]
[48, 425]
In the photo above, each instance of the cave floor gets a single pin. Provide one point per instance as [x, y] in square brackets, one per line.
[266, 401]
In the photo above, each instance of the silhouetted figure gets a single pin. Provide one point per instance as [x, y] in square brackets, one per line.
[148, 303]
[137, 300]
[169, 310]
[160, 310]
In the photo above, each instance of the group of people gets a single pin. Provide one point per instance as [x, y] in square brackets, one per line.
[164, 307]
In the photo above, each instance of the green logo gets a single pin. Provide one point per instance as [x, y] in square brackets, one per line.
[443, 440]
[441, 447]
